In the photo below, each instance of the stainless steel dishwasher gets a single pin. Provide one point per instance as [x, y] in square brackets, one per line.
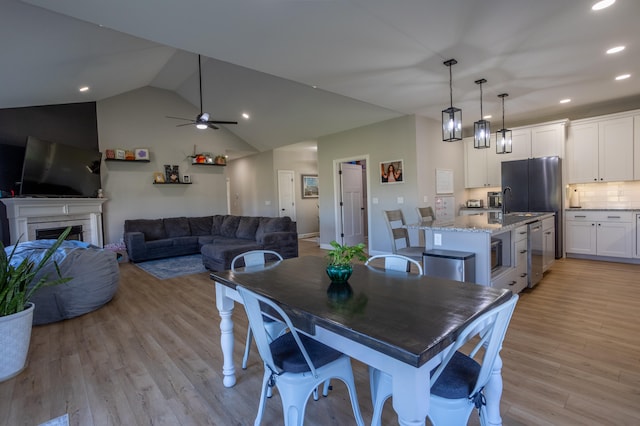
[535, 246]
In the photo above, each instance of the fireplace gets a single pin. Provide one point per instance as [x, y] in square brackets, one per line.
[30, 218]
[54, 233]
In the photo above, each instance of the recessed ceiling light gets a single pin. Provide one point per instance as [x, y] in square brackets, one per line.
[565, 101]
[615, 49]
[84, 89]
[623, 76]
[245, 116]
[486, 117]
[602, 4]
[314, 86]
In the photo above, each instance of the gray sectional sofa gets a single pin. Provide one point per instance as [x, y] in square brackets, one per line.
[218, 238]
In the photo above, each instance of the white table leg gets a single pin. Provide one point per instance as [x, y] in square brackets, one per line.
[411, 395]
[493, 394]
[225, 307]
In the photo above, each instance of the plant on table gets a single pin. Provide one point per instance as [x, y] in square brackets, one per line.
[340, 257]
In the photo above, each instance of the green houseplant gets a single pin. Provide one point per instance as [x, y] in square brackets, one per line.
[339, 266]
[17, 284]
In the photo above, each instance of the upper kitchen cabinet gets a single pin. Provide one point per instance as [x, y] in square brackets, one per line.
[541, 140]
[481, 166]
[636, 147]
[600, 150]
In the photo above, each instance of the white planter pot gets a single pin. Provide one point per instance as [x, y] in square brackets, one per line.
[15, 335]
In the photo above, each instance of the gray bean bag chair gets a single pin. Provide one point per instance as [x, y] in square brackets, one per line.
[94, 272]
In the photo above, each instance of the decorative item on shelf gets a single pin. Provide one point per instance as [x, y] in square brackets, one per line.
[339, 267]
[110, 154]
[220, 160]
[174, 177]
[452, 116]
[17, 285]
[158, 177]
[167, 172]
[129, 155]
[481, 128]
[186, 179]
[142, 153]
[120, 154]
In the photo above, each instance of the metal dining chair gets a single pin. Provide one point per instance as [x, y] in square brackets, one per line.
[458, 383]
[293, 363]
[400, 243]
[249, 259]
[396, 262]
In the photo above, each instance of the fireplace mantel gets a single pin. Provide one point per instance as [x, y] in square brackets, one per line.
[25, 215]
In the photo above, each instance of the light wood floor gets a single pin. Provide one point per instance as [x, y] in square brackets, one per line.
[152, 356]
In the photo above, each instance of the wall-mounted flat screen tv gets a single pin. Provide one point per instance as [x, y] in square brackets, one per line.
[53, 169]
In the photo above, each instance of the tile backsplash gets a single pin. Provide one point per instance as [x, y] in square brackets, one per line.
[609, 195]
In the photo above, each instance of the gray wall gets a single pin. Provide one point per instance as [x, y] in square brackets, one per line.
[137, 119]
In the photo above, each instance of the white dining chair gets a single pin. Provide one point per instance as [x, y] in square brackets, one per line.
[458, 383]
[294, 364]
[396, 262]
[250, 259]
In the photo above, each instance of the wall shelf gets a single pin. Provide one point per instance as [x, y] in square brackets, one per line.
[127, 161]
[172, 183]
[208, 164]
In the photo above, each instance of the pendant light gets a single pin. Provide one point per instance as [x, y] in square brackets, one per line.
[503, 136]
[452, 116]
[481, 128]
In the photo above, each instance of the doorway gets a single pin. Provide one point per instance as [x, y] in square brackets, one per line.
[351, 182]
[286, 198]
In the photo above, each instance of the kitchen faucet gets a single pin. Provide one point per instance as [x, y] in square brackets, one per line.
[504, 199]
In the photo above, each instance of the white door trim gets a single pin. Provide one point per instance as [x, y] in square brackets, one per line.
[336, 191]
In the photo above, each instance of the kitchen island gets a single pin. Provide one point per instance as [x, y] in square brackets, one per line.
[474, 233]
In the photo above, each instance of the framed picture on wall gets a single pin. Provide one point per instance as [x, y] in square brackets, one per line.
[391, 171]
[309, 186]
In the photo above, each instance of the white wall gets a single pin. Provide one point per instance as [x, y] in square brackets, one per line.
[137, 119]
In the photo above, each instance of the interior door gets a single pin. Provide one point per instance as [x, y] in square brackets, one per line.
[286, 198]
[352, 203]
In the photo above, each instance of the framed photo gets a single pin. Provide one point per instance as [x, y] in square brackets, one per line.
[391, 171]
[186, 178]
[141, 153]
[309, 186]
[158, 177]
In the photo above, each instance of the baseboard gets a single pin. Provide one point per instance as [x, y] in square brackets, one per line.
[308, 235]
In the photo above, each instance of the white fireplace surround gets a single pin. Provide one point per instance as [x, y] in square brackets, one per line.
[26, 215]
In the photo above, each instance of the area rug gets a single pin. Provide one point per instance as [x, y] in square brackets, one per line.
[173, 266]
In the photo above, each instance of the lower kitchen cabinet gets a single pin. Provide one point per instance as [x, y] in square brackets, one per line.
[548, 243]
[600, 233]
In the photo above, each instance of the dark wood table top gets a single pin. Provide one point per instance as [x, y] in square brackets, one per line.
[406, 316]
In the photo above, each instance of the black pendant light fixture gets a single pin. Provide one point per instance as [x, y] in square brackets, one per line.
[452, 116]
[503, 136]
[481, 128]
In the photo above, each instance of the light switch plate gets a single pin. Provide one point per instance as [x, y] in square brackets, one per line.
[437, 239]
[400, 200]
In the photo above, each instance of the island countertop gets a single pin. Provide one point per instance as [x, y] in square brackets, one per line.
[489, 222]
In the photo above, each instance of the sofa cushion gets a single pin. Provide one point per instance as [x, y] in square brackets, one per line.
[185, 241]
[177, 227]
[216, 224]
[247, 227]
[156, 244]
[201, 225]
[153, 229]
[229, 226]
[272, 224]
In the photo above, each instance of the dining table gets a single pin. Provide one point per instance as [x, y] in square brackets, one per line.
[397, 322]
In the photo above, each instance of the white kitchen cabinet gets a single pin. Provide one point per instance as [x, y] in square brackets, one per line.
[522, 258]
[543, 140]
[636, 149]
[482, 166]
[600, 150]
[548, 243]
[600, 233]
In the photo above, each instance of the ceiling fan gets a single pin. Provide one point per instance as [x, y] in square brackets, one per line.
[202, 120]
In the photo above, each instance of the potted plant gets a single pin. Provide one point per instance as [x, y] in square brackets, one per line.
[339, 267]
[17, 284]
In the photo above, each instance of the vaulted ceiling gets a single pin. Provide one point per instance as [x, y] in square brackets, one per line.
[307, 68]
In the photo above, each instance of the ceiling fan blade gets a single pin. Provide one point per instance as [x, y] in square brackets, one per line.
[222, 122]
[213, 126]
[185, 124]
[180, 118]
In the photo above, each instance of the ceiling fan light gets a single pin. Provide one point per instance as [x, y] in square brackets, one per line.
[202, 126]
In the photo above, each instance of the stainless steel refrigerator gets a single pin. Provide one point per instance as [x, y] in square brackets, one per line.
[535, 186]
